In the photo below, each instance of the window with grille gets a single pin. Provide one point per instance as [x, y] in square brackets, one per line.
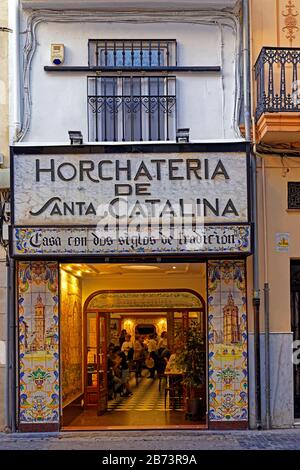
[131, 106]
[132, 53]
[294, 195]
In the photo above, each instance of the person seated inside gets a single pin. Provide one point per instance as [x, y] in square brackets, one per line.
[172, 367]
[162, 361]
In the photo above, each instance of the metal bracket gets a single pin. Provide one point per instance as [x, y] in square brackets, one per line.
[4, 29]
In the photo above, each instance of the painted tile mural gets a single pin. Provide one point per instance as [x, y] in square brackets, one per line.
[227, 325]
[38, 342]
[71, 337]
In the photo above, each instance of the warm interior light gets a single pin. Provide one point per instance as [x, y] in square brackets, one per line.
[141, 268]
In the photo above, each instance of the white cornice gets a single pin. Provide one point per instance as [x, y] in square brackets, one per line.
[158, 5]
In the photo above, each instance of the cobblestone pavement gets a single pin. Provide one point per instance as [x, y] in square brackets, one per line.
[155, 440]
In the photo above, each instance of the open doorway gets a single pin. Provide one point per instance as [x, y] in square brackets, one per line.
[295, 324]
[126, 330]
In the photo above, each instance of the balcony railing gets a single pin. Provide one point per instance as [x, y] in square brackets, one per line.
[277, 73]
[131, 108]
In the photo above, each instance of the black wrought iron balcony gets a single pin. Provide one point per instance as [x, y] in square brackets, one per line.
[277, 73]
[131, 108]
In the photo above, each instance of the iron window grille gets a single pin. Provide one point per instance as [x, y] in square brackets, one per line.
[276, 72]
[132, 53]
[131, 108]
[294, 195]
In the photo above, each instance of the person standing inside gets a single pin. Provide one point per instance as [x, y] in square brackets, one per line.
[152, 344]
[152, 356]
[162, 342]
[127, 345]
[138, 355]
[124, 367]
[122, 337]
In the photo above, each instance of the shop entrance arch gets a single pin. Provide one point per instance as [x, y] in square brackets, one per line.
[179, 307]
[52, 299]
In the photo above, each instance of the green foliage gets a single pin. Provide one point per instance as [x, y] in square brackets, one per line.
[228, 374]
[192, 357]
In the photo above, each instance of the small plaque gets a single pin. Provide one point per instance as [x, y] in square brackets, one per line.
[282, 242]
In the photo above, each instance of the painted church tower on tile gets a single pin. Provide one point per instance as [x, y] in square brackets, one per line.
[231, 326]
[39, 321]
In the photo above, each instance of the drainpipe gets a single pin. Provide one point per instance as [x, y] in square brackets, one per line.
[11, 349]
[7, 375]
[256, 295]
[14, 125]
[14, 69]
[246, 70]
[256, 292]
[266, 302]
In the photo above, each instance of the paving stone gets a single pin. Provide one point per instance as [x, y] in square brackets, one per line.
[156, 440]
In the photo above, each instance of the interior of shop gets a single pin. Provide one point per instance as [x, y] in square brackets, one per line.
[133, 345]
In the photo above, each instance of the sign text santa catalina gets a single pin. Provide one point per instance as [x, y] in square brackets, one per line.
[129, 194]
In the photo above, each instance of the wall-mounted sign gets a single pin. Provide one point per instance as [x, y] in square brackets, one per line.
[130, 203]
[232, 239]
[81, 189]
[282, 242]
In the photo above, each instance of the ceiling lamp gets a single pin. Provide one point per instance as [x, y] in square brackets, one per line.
[141, 268]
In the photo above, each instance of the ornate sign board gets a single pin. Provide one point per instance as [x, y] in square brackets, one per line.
[130, 203]
[231, 239]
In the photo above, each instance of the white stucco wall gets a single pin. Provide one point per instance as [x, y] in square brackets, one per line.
[57, 102]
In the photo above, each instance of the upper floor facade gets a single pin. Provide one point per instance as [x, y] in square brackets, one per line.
[127, 71]
[276, 71]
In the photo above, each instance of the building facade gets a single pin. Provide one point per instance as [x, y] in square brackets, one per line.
[130, 154]
[275, 61]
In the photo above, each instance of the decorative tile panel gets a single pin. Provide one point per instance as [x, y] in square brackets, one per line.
[38, 342]
[227, 337]
[212, 239]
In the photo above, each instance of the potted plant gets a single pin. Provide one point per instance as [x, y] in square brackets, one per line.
[191, 359]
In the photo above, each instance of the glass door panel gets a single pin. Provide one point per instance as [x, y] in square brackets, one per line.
[91, 350]
[177, 326]
[197, 318]
[102, 362]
